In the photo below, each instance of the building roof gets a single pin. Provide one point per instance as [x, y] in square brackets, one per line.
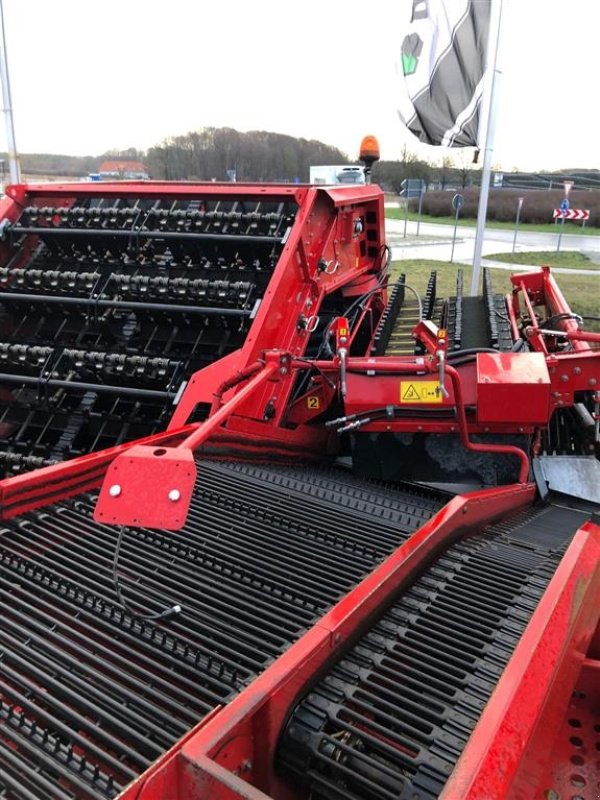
[121, 166]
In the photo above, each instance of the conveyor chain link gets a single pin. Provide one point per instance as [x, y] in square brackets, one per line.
[109, 306]
[392, 717]
[90, 695]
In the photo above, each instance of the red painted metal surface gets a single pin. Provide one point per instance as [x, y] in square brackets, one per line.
[573, 767]
[539, 289]
[230, 757]
[41, 487]
[152, 486]
[325, 250]
[149, 486]
[334, 249]
[335, 243]
[509, 748]
[513, 387]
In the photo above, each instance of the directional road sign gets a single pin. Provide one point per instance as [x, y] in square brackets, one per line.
[571, 213]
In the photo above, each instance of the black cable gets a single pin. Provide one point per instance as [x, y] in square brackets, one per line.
[469, 351]
[551, 322]
[174, 609]
[381, 263]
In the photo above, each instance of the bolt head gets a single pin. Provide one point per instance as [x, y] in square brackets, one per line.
[174, 495]
[115, 490]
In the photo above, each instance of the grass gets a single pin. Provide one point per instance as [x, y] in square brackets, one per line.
[550, 227]
[570, 259]
[581, 291]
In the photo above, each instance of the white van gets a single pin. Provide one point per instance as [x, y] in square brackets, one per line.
[331, 175]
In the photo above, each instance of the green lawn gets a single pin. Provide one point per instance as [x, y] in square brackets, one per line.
[568, 258]
[550, 227]
[581, 291]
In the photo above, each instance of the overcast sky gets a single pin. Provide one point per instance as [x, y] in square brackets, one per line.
[91, 75]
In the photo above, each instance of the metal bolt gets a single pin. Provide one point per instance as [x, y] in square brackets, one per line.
[577, 371]
[174, 495]
[592, 381]
[564, 378]
[283, 370]
[115, 490]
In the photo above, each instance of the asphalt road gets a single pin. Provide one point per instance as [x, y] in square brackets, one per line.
[435, 241]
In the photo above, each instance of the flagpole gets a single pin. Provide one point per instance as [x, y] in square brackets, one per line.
[13, 159]
[488, 118]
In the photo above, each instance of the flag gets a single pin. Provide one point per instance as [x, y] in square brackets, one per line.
[442, 66]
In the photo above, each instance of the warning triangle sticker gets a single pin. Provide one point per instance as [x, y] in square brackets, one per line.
[411, 393]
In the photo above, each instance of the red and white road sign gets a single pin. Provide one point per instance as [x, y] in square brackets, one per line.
[572, 213]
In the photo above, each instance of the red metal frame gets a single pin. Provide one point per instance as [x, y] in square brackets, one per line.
[508, 754]
[230, 755]
[328, 250]
[325, 230]
[573, 766]
[508, 750]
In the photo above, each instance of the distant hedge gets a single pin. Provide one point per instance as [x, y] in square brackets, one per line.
[502, 206]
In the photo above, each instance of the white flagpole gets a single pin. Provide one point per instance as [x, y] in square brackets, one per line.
[488, 117]
[13, 160]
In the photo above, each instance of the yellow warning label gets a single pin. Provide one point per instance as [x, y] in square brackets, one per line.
[313, 401]
[420, 392]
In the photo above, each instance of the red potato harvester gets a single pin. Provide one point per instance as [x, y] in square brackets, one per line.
[276, 527]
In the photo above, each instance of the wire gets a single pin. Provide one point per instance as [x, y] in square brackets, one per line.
[325, 377]
[548, 323]
[416, 294]
[470, 351]
[174, 609]
[381, 263]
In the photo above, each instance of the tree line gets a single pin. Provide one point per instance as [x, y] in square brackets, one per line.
[223, 154]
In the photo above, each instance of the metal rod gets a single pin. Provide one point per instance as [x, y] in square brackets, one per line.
[17, 297]
[488, 117]
[560, 233]
[141, 234]
[457, 212]
[13, 159]
[54, 383]
[206, 428]
[507, 449]
[518, 217]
